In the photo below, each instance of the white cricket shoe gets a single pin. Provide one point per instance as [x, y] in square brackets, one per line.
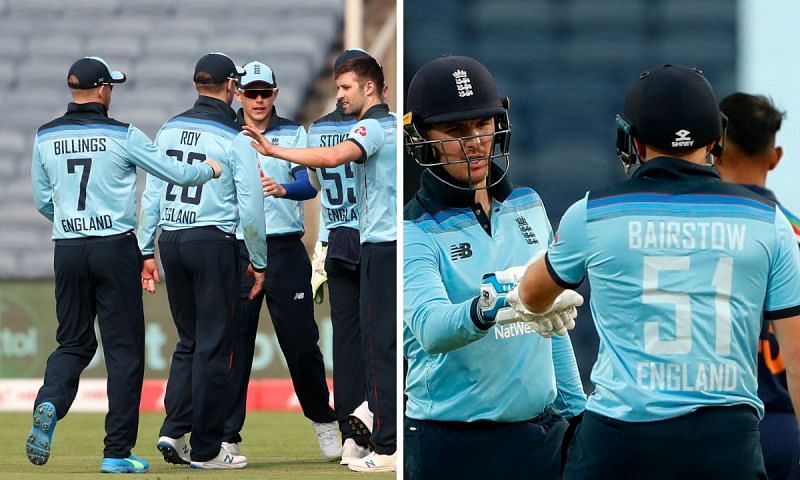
[327, 434]
[174, 450]
[351, 452]
[361, 422]
[375, 462]
[232, 448]
[223, 460]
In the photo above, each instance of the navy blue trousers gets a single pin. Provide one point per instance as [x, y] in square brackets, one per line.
[708, 444]
[287, 293]
[378, 317]
[99, 277]
[349, 378]
[780, 445]
[484, 450]
[201, 268]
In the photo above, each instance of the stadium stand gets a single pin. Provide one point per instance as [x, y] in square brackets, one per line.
[156, 42]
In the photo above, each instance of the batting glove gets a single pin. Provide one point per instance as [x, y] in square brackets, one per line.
[495, 286]
[558, 319]
[318, 275]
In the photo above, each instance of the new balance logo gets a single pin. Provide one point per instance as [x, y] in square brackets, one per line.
[527, 232]
[460, 251]
[370, 463]
[274, 140]
[682, 139]
[463, 83]
[299, 296]
[228, 458]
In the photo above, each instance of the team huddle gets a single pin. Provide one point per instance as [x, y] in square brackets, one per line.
[692, 278]
[229, 207]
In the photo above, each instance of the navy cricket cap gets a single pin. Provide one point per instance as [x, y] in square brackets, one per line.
[91, 72]
[219, 66]
[673, 108]
[452, 89]
[349, 54]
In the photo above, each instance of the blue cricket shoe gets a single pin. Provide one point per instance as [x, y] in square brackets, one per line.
[37, 445]
[132, 464]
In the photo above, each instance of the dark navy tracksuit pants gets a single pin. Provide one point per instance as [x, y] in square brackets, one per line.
[201, 268]
[349, 378]
[99, 276]
[378, 336]
[436, 450]
[287, 292]
[711, 443]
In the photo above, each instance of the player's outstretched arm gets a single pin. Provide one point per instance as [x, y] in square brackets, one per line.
[320, 157]
[148, 156]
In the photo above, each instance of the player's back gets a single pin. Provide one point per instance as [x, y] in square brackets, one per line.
[204, 131]
[337, 184]
[85, 158]
[681, 271]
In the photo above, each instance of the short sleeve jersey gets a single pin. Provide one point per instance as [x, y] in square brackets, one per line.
[682, 268]
[376, 180]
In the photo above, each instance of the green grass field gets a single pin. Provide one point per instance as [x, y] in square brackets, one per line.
[277, 445]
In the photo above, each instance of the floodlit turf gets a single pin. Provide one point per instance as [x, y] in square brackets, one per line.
[277, 445]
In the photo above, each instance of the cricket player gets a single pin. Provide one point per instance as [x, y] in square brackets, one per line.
[200, 257]
[487, 396]
[683, 268]
[750, 153]
[371, 144]
[84, 181]
[287, 287]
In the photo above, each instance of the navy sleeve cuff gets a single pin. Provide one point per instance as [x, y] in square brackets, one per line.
[360, 147]
[148, 256]
[559, 281]
[477, 318]
[782, 313]
[259, 270]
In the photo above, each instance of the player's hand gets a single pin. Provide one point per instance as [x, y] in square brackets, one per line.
[258, 284]
[150, 275]
[494, 288]
[558, 319]
[214, 165]
[260, 143]
[272, 188]
[318, 274]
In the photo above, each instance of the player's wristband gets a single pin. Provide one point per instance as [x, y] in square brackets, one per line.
[477, 317]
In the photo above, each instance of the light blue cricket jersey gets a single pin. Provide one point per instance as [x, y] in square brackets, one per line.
[205, 131]
[681, 266]
[282, 215]
[376, 180]
[457, 370]
[84, 172]
[338, 184]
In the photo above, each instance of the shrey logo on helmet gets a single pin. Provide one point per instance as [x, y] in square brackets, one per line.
[682, 139]
[463, 83]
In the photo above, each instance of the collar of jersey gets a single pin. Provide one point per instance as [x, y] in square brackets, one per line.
[376, 111]
[764, 192]
[91, 108]
[669, 167]
[439, 195]
[214, 105]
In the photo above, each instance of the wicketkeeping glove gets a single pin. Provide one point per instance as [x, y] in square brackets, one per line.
[318, 275]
